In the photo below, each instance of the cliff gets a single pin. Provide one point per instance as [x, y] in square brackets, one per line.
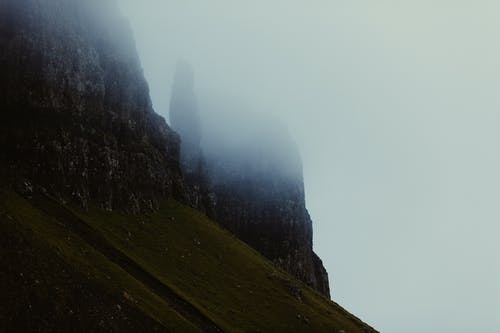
[254, 171]
[76, 119]
[259, 187]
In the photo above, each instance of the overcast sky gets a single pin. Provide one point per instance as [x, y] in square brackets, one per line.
[395, 105]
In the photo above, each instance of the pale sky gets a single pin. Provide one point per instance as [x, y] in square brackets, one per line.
[396, 110]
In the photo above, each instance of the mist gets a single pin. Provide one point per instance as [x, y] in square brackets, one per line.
[396, 114]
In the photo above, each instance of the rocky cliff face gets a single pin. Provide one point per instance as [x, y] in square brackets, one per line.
[255, 171]
[270, 217]
[75, 115]
[260, 198]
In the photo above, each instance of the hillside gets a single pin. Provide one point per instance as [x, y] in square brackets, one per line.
[171, 271]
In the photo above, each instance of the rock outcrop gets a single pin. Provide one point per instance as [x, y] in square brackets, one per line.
[259, 187]
[255, 171]
[185, 120]
[76, 118]
[184, 117]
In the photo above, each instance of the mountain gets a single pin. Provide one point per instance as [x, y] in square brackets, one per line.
[104, 229]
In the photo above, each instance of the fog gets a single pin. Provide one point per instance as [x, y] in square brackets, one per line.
[394, 106]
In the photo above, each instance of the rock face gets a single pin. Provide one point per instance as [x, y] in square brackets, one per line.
[255, 171]
[260, 197]
[75, 114]
[271, 217]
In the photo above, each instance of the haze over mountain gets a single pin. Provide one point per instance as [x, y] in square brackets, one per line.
[394, 108]
[380, 117]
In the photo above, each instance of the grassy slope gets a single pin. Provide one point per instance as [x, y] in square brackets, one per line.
[225, 279]
[51, 241]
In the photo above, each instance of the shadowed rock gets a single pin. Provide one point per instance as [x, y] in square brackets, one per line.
[260, 195]
[76, 118]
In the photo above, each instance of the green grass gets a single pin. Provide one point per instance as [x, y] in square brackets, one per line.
[69, 247]
[225, 279]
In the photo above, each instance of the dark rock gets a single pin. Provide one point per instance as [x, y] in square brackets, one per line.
[75, 115]
[260, 198]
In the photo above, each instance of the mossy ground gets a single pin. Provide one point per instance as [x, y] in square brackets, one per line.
[61, 251]
[226, 280]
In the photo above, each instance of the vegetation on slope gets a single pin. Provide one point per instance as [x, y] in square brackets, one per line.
[53, 281]
[222, 280]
